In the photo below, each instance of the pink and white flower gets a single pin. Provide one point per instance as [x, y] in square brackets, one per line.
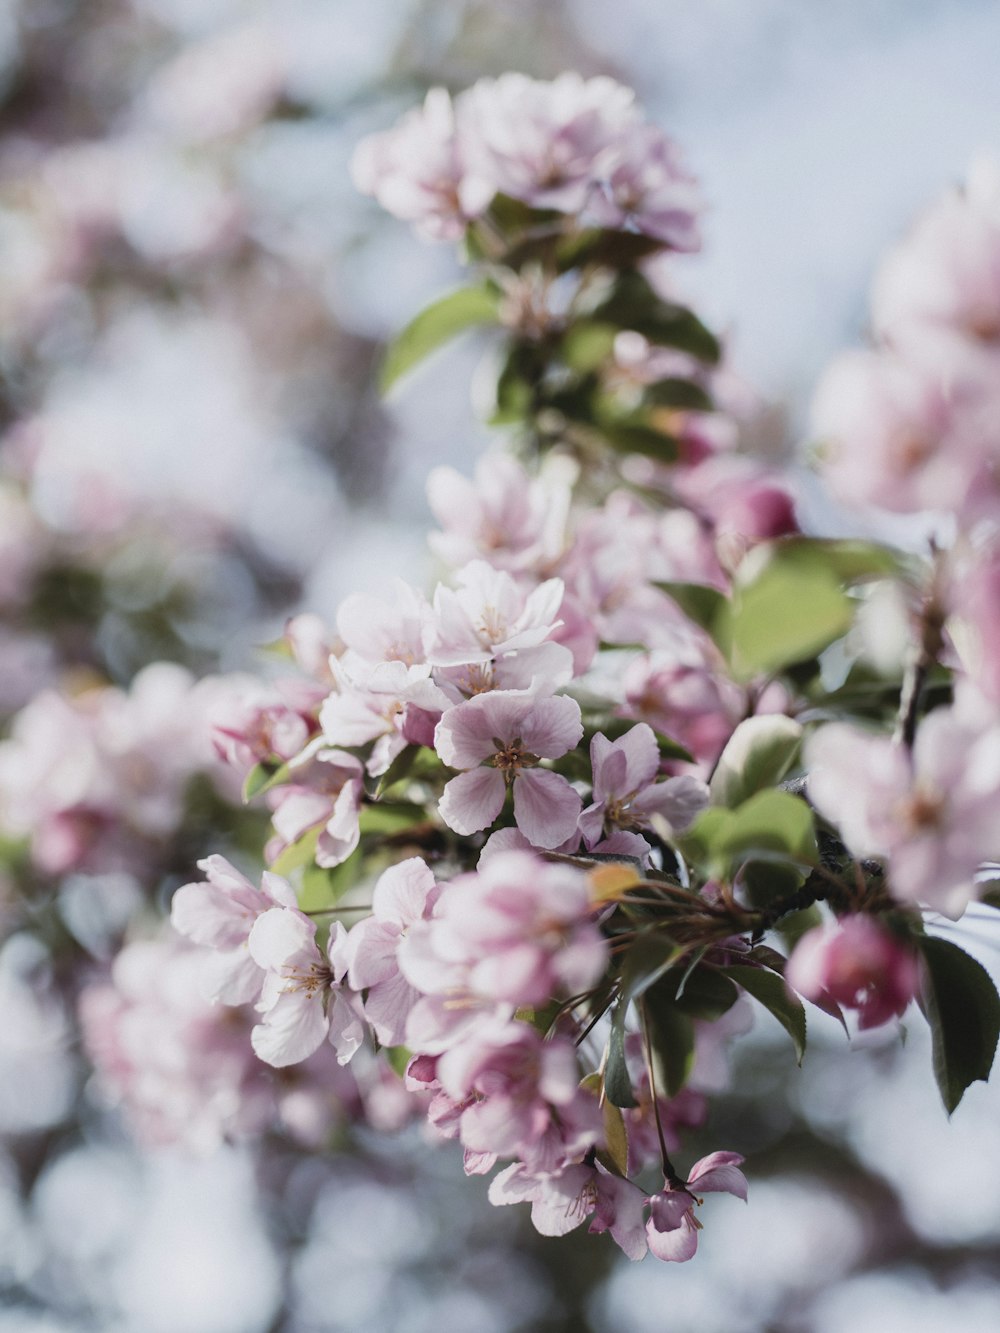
[562, 1202]
[672, 1228]
[302, 1002]
[626, 792]
[930, 814]
[403, 895]
[500, 739]
[218, 913]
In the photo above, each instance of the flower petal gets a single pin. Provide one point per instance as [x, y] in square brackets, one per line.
[545, 806]
[473, 800]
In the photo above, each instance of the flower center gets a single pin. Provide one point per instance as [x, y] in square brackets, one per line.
[511, 756]
[316, 977]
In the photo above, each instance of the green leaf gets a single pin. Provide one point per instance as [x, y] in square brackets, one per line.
[853, 561]
[647, 960]
[390, 817]
[963, 1009]
[757, 755]
[262, 777]
[671, 1034]
[704, 993]
[587, 345]
[634, 435]
[325, 886]
[434, 326]
[677, 393]
[770, 990]
[788, 605]
[615, 1136]
[767, 882]
[617, 1084]
[632, 304]
[770, 824]
[615, 249]
[615, 1155]
[398, 1057]
[299, 853]
[772, 821]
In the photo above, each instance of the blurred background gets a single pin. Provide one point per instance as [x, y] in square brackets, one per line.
[192, 305]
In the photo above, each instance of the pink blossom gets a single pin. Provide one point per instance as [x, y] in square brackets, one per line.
[520, 1096]
[543, 142]
[311, 645]
[648, 189]
[403, 894]
[523, 927]
[183, 1068]
[945, 274]
[686, 695]
[218, 913]
[860, 965]
[626, 792]
[931, 815]
[672, 1228]
[902, 436]
[514, 933]
[302, 1002]
[974, 599]
[389, 704]
[254, 723]
[510, 733]
[488, 614]
[560, 1203]
[324, 792]
[380, 630]
[513, 521]
[417, 172]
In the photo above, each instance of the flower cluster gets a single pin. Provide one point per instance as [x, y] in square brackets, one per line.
[98, 781]
[530, 832]
[577, 146]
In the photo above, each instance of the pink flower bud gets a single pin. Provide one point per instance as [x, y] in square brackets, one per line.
[858, 963]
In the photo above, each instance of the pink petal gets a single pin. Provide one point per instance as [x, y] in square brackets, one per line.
[546, 807]
[719, 1171]
[388, 1007]
[679, 800]
[281, 937]
[401, 892]
[675, 1246]
[344, 1025]
[295, 1026]
[371, 953]
[642, 756]
[473, 800]
[465, 735]
[552, 727]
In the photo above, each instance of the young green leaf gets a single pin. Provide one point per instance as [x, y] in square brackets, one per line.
[262, 777]
[788, 605]
[757, 755]
[435, 325]
[963, 1009]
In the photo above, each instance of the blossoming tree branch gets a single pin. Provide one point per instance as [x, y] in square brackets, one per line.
[543, 839]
